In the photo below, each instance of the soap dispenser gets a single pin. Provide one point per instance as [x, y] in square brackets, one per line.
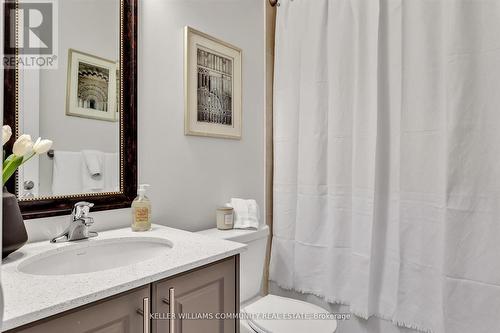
[141, 210]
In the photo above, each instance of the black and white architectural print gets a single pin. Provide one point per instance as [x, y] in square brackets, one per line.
[215, 88]
[93, 82]
[92, 90]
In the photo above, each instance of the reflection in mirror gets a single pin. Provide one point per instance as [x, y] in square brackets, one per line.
[76, 105]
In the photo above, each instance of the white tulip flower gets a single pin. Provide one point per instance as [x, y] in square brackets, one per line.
[22, 151]
[23, 145]
[6, 133]
[42, 146]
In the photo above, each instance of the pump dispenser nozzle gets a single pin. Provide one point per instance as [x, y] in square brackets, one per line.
[142, 190]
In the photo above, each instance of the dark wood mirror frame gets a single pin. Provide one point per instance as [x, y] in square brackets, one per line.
[62, 205]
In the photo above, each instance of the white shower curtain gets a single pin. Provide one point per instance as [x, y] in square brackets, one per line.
[387, 159]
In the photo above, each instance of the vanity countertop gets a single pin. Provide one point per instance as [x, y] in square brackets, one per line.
[28, 298]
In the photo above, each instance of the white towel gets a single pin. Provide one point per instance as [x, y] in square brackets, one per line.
[91, 183]
[66, 173]
[246, 213]
[93, 161]
[107, 180]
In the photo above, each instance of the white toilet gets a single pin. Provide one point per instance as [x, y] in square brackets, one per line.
[263, 313]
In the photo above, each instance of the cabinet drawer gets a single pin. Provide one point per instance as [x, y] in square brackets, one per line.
[115, 315]
[207, 291]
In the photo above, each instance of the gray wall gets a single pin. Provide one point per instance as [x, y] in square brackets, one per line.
[190, 176]
[193, 175]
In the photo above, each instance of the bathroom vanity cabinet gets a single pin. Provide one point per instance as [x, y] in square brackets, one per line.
[204, 291]
[208, 293]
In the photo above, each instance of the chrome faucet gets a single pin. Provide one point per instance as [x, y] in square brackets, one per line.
[79, 225]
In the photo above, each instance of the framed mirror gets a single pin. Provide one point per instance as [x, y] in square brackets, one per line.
[86, 105]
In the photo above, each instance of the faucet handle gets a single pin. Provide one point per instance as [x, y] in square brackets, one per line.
[82, 209]
[88, 221]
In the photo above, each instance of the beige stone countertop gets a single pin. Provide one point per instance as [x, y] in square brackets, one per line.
[28, 298]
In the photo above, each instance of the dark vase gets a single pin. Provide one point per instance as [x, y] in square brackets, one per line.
[14, 234]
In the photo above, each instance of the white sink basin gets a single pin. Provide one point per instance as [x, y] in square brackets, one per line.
[95, 255]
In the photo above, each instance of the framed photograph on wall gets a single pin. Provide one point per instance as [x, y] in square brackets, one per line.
[212, 70]
[91, 87]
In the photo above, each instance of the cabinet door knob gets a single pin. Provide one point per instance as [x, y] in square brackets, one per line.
[172, 309]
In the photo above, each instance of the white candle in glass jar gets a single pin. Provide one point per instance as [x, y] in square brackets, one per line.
[225, 218]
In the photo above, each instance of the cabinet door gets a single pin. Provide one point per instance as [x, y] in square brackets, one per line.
[207, 291]
[116, 315]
